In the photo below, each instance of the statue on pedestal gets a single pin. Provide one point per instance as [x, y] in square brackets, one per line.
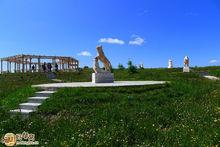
[102, 75]
[186, 64]
[170, 63]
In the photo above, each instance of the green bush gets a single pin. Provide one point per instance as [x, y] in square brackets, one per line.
[121, 67]
[131, 68]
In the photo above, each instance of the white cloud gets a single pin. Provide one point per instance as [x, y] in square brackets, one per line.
[213, 61]
[84, 53]
[111, 41]
[136, 40]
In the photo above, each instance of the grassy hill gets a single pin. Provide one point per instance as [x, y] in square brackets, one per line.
[184, 112]
[15, 88]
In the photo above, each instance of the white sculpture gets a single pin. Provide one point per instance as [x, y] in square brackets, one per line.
[186, 64]
[141, 66]
[96, 66]
[101, 57]
[102, 75]
[170, 63]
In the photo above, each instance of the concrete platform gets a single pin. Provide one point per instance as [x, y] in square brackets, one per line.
[212, 78]
[90, 84]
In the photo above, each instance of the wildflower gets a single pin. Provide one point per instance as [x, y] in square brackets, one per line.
[215, 120]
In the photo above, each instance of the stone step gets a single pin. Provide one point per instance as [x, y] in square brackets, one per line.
[57, 80]
[44, 93]
[36, 99]
[29, 106]
[21, 111]
[50, 89]
[33, 102]
[24, 113]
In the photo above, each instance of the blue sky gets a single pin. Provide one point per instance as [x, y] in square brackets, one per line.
[145, 31]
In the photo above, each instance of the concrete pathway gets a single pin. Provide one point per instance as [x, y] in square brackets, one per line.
[90, 84]
[212, 78]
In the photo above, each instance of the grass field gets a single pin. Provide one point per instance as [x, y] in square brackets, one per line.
[15, 88]
[185, 112]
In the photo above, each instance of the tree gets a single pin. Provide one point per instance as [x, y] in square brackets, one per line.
[86, 67]
[131, 68]
[120, 66]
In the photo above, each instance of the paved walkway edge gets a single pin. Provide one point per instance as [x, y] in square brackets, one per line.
[90, 84]
[212, 77]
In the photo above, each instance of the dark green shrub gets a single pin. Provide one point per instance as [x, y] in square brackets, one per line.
[131, 68]
[120, 66]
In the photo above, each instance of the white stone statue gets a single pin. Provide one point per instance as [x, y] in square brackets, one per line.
[186, 61]
[101, 57]
[102, 75]
[170, 63]
[96, 66]
[186, 64]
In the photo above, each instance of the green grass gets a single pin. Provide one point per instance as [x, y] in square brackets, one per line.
[12, 82]
[185, 112]
[16, 88]
[211, 70]
[78, 76]
[123, 75]
[13, 99]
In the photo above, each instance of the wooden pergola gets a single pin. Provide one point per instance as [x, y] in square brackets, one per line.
[24, 63]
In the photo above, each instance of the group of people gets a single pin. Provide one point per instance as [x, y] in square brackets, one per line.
[46, 67]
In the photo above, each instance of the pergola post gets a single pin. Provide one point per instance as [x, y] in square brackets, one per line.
[22, 64]
[10, 67]
[35, 65]
[68, 64]
[39, 68]
[19, 67]
[53, 64]
[15, 67]
[7, 67]
[26, 66]
[1, 66]
[30, 68]
[60, 64]
[72, 65]
[76, 65]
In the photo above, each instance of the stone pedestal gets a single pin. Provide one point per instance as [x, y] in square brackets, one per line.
[105, 77]
[186, 69]
[170, 64]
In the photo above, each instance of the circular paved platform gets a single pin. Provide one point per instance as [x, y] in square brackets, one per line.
[90, 84]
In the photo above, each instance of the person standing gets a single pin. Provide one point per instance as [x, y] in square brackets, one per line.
[49, 67]
[56, 67]
[33, 68]
[44, 67]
